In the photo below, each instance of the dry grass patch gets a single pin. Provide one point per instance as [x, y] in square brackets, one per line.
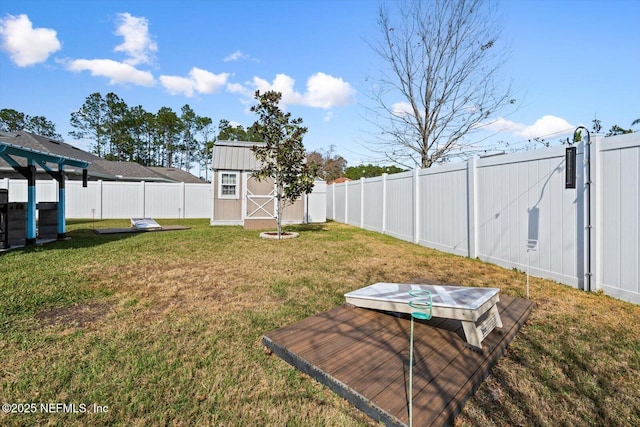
[165, 329]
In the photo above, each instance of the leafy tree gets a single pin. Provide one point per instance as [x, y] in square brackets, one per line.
[226, 132]
[14, 121]
[189, 129]
[137, 120]
[327, 165]
[203, 127]
[89, 122]
[11, 120]
[40, 125]
[617, 130]
[116, 126]
[370, 171]
[597, 125]
[128, 133]
[169, 127]
[635, 122]
[282, 156]
[444, 62]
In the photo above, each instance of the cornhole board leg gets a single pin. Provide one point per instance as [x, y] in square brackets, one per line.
[475, 334]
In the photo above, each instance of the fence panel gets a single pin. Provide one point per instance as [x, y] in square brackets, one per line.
[587, 237]
[164, 200]
[47, 190]
[123, 200]
[399, 206]
[443, 222]
[83, 202]
[316, 203]
[340, 191]
[330, 190]
[198, 200]
[521, 197]
[373, 204]
[620, 214]
[354, 203]
[107, 199]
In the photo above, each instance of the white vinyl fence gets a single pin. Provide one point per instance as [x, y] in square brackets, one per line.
[108, 199]
[514, 210]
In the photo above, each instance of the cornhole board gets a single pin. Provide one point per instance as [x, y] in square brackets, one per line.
[145, 224]
[139, 225]
[474, 307]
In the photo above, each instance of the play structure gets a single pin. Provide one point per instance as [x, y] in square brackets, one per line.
[18, 224]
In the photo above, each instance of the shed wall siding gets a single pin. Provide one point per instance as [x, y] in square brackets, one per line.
[226, 209]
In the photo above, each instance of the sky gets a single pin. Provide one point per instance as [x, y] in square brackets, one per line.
[569, 61]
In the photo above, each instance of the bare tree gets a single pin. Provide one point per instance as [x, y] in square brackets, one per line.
[443, 81]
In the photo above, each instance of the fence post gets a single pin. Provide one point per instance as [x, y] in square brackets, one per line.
[384, 203]
[362, 202]
[143, 190]
[596, 189]
[346, 202]
[182, 200]
[472, 207]
[100, 199]
[333, 204]
[416, 205]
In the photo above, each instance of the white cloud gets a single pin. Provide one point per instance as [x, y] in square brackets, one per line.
[547, 126]
[207, 82]
[116, 72]
[24, 44]
[238, 88]
[326, 91]
[198, 81]
[176, 85]
[137, 44]
[400, 109]
[503, 125]
[238, 55]
[323, 91]
[328, 116]
[283, 84]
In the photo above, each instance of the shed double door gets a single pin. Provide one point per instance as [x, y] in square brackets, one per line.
[261, 199]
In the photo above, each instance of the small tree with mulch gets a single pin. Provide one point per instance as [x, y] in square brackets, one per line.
[282, 157]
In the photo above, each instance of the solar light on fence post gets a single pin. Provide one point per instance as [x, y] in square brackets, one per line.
[423, 302]
[570, 173]
[532, 246]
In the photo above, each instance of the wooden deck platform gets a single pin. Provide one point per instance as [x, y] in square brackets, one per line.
[363, 355]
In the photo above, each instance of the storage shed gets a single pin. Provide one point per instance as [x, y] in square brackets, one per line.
[240, 199]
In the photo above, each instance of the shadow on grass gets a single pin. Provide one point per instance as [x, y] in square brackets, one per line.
[76, 239]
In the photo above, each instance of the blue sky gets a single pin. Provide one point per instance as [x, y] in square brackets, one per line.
[569, 61]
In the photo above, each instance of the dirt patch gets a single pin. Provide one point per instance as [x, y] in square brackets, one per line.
[77, 315]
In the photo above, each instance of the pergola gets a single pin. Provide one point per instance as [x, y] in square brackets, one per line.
[33, 157]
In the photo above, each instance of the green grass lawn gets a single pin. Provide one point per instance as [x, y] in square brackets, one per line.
[165, 329]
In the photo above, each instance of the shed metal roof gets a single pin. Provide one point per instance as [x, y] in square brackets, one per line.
[235, 155]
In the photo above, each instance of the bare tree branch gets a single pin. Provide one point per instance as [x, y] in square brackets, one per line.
[443, 80]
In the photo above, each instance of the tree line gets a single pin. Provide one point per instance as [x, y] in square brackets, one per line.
[165, 138]
[14, 121]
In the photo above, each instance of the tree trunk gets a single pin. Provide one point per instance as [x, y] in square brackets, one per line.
[280, 203]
